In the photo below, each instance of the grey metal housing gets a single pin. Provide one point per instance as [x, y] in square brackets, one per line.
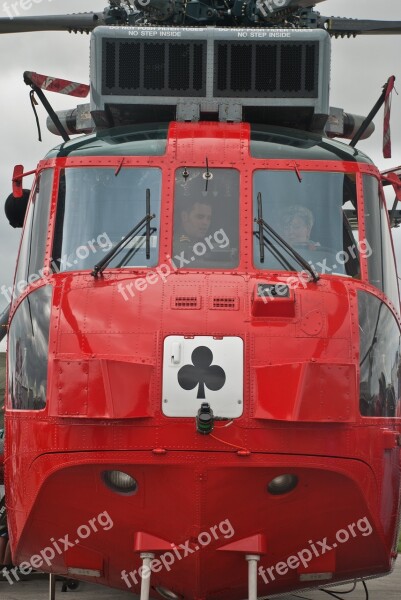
[278, 76]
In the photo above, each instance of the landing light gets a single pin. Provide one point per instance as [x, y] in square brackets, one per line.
[165, 593]
[120, 482]
[282, 484]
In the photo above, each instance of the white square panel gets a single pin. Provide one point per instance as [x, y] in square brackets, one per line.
[203, 369]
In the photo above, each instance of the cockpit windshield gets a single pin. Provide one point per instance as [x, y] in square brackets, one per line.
[206, 217]
[314, 212]
[96, 207]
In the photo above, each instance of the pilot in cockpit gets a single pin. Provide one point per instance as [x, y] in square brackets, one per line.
[296, 226]
[193, 224]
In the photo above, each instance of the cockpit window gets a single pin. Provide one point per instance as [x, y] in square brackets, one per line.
[206, 218]
[315, 213]
[381, 265]
[33, 246]
[96, 208]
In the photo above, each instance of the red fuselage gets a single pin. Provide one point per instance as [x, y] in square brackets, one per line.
[301, 415]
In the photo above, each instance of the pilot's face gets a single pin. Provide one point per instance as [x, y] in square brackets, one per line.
[196, 223]
[296, 230]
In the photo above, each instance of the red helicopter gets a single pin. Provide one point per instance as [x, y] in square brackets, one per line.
[203, 367]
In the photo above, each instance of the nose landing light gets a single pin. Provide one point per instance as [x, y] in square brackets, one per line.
[165, 593]
[283, 484]
[120, 482]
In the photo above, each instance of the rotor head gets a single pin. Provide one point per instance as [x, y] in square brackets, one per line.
[298, 14]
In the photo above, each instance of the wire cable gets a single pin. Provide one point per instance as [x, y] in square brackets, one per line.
[334, 595]
[34, 105]
[365, 587]
[227, 443]
[348, 591]
[338, 592]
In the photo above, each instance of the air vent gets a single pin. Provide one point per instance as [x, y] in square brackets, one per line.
[154, 67]
[147, 74]
[186, 302]
[266, 70]
[224, 303]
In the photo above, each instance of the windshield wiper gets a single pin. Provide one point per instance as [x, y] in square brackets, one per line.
[102, 264]
[275, 252]
[263, 226]
[261, 232]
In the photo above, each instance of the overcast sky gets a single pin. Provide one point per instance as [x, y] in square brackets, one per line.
[360, 67]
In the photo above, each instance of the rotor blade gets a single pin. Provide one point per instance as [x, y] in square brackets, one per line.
[281, 4]
[278, 5]
[303, 3]
[55, 84]
[352, 27]
[83, 22]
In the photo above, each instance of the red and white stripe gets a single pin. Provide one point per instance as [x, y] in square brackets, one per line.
[61, 86]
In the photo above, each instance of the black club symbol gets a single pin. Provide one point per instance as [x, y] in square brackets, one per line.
[201, 373]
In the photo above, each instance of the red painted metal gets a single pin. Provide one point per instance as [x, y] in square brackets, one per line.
[255, 544]
[301, 416]
[144, 542]
[17, 181]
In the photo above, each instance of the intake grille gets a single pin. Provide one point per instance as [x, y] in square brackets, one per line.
[154, 68]
[266, 69]
[186, 302]
[269, 76]
[225, 303]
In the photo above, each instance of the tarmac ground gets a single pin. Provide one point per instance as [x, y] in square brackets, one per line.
[385, 588]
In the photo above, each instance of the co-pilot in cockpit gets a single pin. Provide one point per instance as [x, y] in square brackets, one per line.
[311, 212]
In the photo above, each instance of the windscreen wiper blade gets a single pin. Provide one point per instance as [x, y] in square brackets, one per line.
[102, 264]
[266, 227]
[130, 255]
[261, 232]
[148, 224]
[275, 252]
[300, 259]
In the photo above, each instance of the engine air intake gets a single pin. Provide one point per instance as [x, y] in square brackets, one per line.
[151, 68]
[273, 76]
[266, 70]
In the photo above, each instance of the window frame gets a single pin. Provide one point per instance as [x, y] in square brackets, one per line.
[393, 297]
[126, 163]
[24, 263]
[173, 250]
[298, 170]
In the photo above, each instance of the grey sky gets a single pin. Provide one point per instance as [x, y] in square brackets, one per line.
[360, 67]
